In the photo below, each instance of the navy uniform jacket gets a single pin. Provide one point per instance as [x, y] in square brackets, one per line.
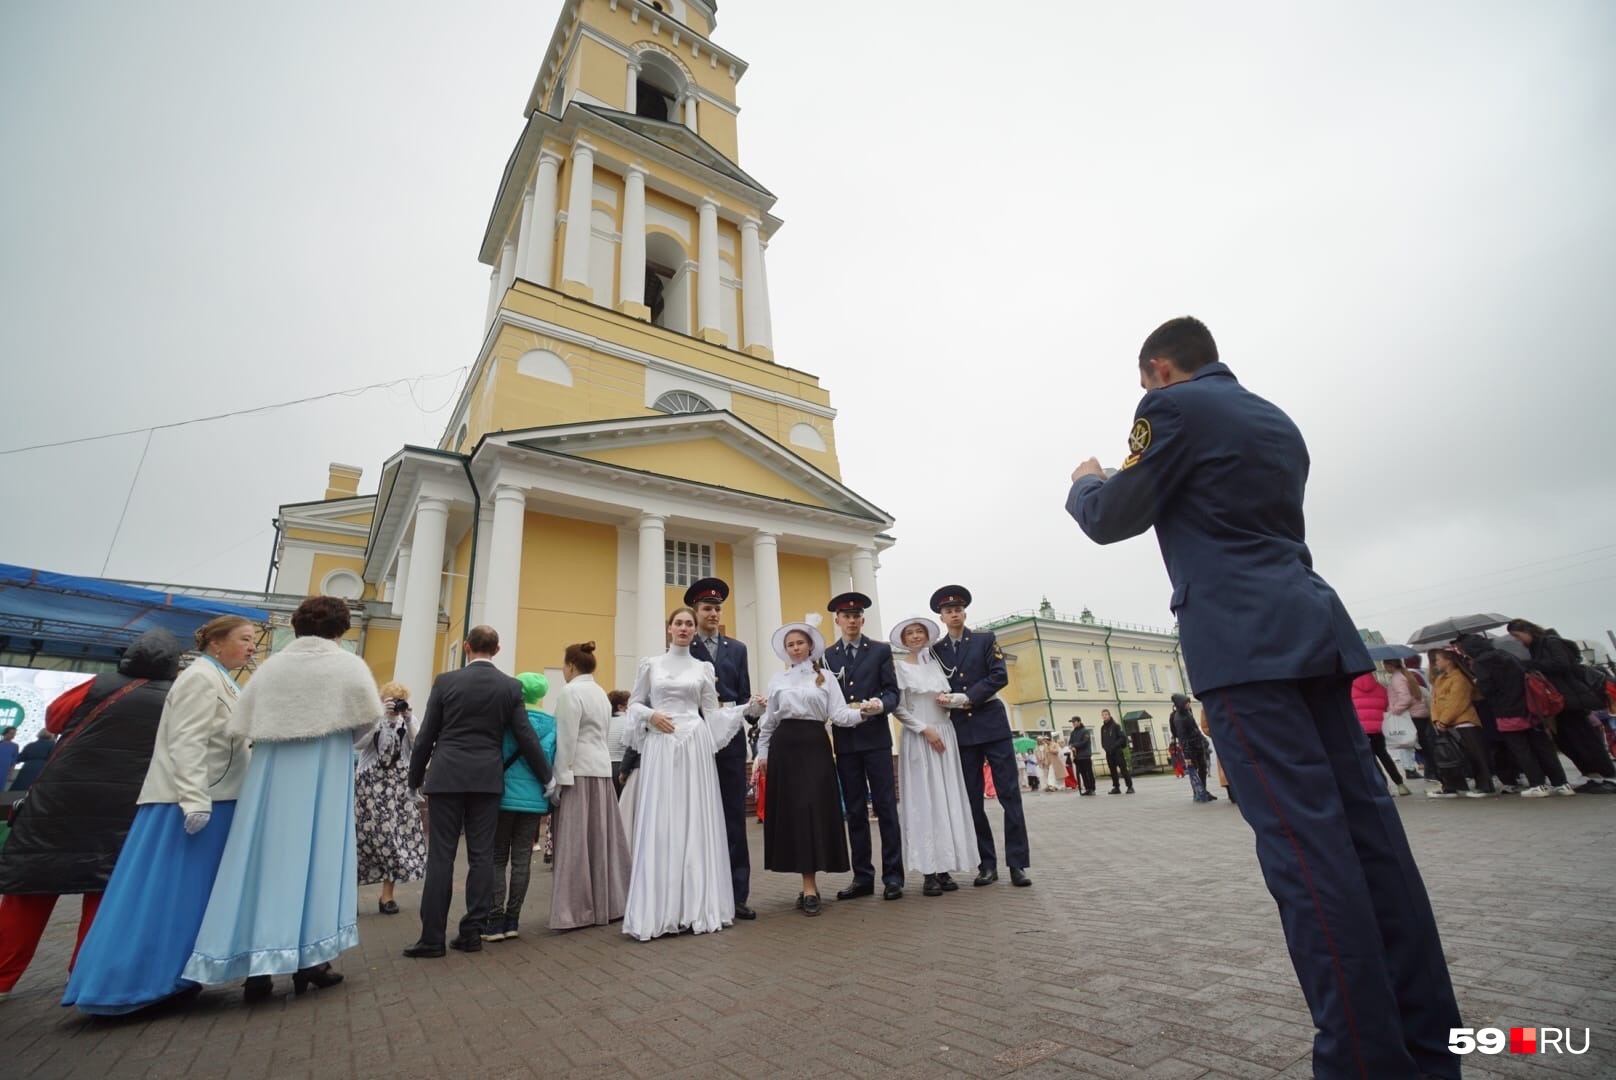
[734, 680]
[976, 669]
[1220, 473]
[869, 675]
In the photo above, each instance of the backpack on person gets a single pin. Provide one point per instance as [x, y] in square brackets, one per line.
[1543, 698]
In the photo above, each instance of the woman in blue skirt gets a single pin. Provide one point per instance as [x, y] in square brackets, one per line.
[286, 899]
[147, 924]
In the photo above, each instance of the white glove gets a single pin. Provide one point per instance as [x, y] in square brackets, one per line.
[195, 823]
[553, 792]
[958, 701]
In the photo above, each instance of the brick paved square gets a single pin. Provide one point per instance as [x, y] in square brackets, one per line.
[1146, 948]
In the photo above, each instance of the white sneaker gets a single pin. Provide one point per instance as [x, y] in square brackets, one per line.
[1563, 789]
[1402, 789]
[1479, 794]
[1438, 793]
[1510, 789]
[1539, 792]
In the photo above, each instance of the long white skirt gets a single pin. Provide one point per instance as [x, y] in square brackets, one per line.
[681, 878]
[933, 810]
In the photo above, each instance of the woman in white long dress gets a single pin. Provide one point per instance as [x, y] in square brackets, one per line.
[681, 876]
[934, 813]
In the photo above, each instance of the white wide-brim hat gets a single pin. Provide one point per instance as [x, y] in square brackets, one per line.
[809, 628]
[933, 632]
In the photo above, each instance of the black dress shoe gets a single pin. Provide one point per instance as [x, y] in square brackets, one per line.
[421, 950]
[744, 912]
[387, 907]
[856, 890]
[464, 944]
[1018, 876]
[948, 883]
[931, 887]
[810, 905]
[257, 987]
[986, 877]
[799, 901]
[1114, 791]
[320, 977]
[892, 892]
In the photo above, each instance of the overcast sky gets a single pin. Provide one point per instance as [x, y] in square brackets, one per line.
[1397, 219]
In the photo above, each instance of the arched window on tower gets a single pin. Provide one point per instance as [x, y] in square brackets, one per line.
[658, 89]
[667, 283]
[681, 401]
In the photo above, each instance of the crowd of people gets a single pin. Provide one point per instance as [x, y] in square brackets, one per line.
[219, 834]
[1495, 718]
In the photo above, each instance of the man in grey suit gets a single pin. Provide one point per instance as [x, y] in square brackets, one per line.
[462, 736]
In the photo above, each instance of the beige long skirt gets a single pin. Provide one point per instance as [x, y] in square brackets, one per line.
[590, 886]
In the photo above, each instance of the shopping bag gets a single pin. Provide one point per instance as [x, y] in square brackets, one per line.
[1399, 731]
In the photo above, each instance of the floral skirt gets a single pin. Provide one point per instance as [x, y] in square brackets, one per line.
[387, 826]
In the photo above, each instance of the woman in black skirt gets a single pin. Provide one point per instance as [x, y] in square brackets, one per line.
[802, 832]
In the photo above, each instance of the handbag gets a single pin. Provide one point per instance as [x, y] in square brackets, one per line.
[16, 807]
[1445, 747]
[1399, 732]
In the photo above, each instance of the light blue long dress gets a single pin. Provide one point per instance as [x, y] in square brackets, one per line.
[287, 895]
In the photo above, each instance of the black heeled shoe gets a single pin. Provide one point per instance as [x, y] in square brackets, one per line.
[318, 977]
[387, 907]
[948, 883]
[257, 987]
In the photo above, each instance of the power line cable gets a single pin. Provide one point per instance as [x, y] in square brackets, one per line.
[126, 500]
[355, 391]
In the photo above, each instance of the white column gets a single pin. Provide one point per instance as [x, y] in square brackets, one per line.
[507, 268]
[864, 582]
[690, 112]
[418, 626]
[707, 290]
[754, 296]
[524, 233]
[580, 201]
[763, 300]
[841, 574]
[504, 572]
[493, 296]
[631, 91]
[631, 272]
[766, 582]
[651, 589]
[539, 248]
[401, 579]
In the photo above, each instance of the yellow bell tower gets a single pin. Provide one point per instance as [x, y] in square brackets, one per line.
[626, 427]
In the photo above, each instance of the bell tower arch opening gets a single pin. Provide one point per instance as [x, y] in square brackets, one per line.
[659, 88]
[667, 282]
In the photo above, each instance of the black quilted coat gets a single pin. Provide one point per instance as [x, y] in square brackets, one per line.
[66, 836]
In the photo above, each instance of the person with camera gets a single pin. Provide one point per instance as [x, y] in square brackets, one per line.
[390, 842]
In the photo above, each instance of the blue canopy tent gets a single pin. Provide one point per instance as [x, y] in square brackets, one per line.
[83, 618]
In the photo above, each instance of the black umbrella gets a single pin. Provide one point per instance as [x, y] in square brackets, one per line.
[1392, 652]
[1441, 633]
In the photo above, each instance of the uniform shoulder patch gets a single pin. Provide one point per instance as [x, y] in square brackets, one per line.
[1130, 461]
[1139, 437]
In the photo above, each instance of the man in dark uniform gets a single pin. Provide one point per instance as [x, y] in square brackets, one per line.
[728, 657]
[976, 673]
[1271, 652]
[863, 670]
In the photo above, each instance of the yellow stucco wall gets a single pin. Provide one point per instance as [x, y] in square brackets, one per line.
[606, 387]
[706, 461]
[804, 587]
[568, 592]
[381, 649]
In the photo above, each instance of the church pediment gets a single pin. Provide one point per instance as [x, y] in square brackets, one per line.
[714, 449]
[679, 139]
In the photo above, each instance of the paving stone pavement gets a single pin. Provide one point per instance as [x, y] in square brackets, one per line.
[1146, 948]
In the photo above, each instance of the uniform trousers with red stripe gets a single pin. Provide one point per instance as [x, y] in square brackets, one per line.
[22, 924]
[1357, 920]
